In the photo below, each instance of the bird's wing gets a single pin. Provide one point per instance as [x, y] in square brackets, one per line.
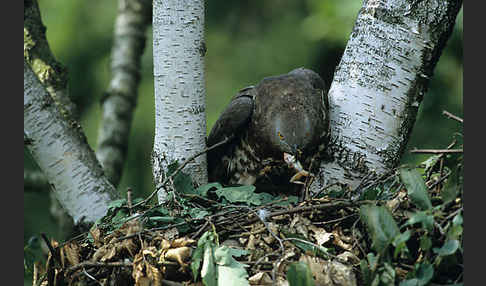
[230, 124]
[235, 117]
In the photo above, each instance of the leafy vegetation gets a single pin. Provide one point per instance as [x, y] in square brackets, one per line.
[406, 228]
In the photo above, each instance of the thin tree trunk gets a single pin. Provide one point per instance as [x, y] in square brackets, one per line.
[63, 154]
[180, 119]
[379, 85]
[121, 97]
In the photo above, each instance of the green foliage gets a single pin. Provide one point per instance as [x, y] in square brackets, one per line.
[422, 274]
[417, 191]
[299, 274]
[431, 229]
[381, 226]
[308, 247]
[218, 263]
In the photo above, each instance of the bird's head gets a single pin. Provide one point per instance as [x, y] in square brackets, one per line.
[290, 115]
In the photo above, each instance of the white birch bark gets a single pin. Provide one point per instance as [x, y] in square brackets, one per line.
[62, 153]
[180, 118]
[121, 96]
[379, 84]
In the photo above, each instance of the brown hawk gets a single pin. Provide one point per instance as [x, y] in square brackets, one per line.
[276, 129]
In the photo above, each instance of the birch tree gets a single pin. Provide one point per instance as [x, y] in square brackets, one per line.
[374, 98]
[134, 16]
[63, 155]
[380, 83]
[119, 102]
[180, 119]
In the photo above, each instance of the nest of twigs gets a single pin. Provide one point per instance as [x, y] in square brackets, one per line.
[406, 226]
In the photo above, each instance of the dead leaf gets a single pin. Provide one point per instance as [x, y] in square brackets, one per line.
[96, 235]
[144, 273]
[261, 278]
[320, 234]
[341, 274]
[338, 240]
[179, 255]
[348, 257]
[71, 252]
[183, 241]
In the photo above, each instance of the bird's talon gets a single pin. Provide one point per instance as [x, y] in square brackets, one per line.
[295, 178]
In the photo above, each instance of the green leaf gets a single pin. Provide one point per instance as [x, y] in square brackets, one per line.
[204, 189]
[449, 193]
[453, 185]
[424, 273]
[457, 220]
[320, 251]
[430, 162]
[162, 219]
[240, 194]
[410, 282]
[116, 204]
[205, 241]
[381, 226]
[365, 271]
[425, 219]
[448, 248]
[455, 231]
[400, 242]
[198, 213]
[425, 243]
[299, 274]
[157, 211]
[182, 181]
[417, 191]
[388, 274]
[120, 218]
[208, 270]
[228, 269]
[372, 260]
[370, 194]
[197, 256]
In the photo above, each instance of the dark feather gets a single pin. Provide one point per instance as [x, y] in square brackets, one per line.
[282, 114]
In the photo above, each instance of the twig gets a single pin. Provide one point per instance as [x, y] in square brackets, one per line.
[51, 249]
[91, 277]
[260, 260]
[97, 264]
[129, 200]
[441, 179]
[436, 151]
[452, 116]
[182, 167]
[335, 220]
[312, 208]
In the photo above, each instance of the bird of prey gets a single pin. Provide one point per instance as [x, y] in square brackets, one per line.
[275, 130]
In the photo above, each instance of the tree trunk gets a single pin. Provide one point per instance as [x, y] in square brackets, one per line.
[180, 119]
[121, 97]
[62, 153]
[379, 84]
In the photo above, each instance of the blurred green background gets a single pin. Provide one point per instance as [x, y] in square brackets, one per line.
[246, 41]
